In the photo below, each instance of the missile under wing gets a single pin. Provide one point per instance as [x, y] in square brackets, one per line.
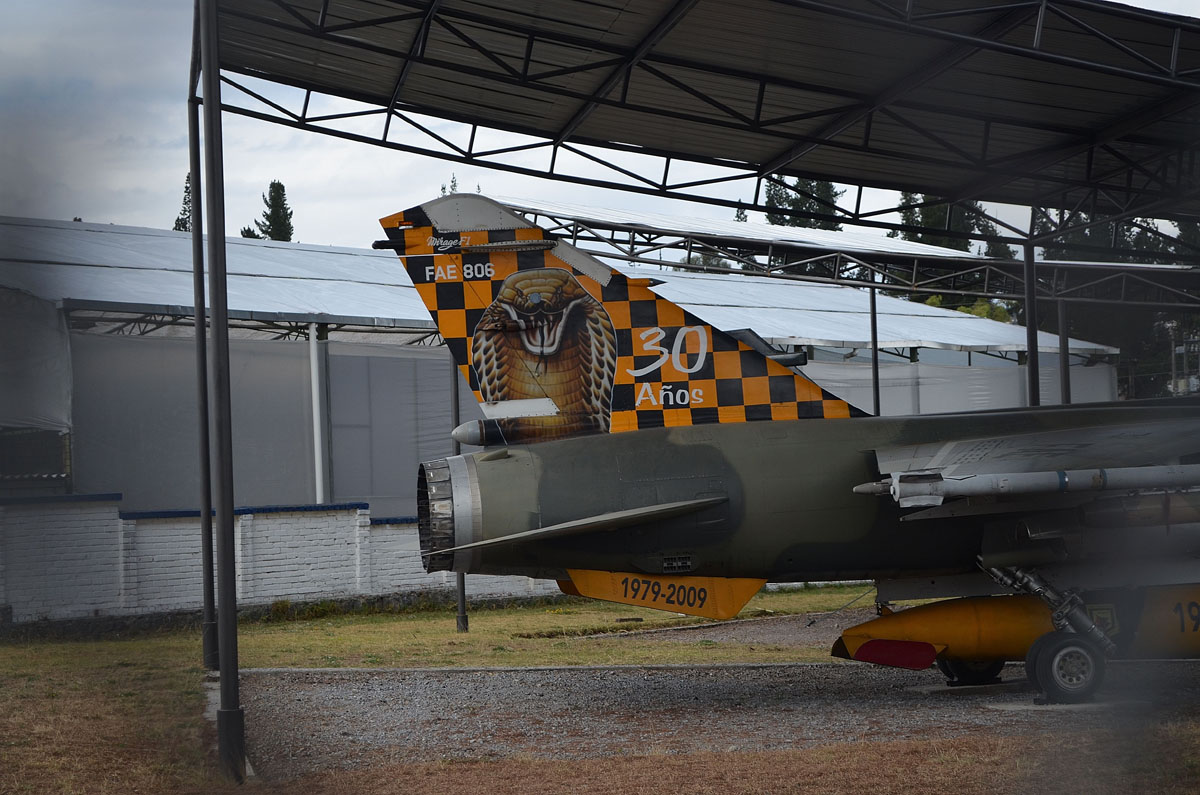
[637, 454]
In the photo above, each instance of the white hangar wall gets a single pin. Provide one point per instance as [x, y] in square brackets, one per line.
[135, 429]
[387, 408]
[35, 374]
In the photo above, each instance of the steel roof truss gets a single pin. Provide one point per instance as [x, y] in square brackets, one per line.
[791, 188]
[407, 119]
[269, 103]
[1037, 50]
[1059, 11]
[415, 49]
[1147, 178]
[920, 76]
[891, 113]
[992, 280]
[469, 157]
[635, 58]
[1030, 162]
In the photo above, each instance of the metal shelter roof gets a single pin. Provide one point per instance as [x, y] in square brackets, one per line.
[798, 313]
[816, 240]
[132, 269]
[858, 258]
[1074, 104]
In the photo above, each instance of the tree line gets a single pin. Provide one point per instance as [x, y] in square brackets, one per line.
[276, 222]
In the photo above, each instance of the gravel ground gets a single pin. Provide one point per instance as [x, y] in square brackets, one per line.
[301, 721]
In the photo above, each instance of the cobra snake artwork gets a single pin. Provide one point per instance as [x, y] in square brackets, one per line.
[544, 336]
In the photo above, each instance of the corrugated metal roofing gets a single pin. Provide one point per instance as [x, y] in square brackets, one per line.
[847, 241]
[1059, 103]
[830, 315]
[134, 269]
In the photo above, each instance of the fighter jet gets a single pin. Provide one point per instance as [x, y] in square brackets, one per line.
[637, 454]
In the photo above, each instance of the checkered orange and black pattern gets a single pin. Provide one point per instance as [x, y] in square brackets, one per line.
[672, 368]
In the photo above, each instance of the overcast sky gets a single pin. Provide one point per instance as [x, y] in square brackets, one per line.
[93, 124]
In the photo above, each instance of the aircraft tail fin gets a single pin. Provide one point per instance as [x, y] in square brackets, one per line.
[554, 343]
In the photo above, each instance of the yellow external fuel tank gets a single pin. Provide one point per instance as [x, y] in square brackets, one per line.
[973, 628]
[1158, 622]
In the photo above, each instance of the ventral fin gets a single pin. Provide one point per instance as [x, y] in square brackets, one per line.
[710, 597]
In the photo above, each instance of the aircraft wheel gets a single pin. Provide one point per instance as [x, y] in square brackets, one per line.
[1031, 658]
[970, 672]
[1070, 669]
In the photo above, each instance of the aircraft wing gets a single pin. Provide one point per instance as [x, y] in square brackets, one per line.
[1137, 443]
[1142, 451]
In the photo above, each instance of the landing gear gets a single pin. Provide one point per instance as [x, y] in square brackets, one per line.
[1066, 666]
[970, 672]
[1031, 657]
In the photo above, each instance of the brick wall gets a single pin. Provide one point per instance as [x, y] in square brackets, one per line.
[82, 557]
[61, 559]
[396, 567]
[163, 564]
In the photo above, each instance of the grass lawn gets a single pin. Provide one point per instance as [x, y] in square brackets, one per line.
[521, 636]
[125, 715]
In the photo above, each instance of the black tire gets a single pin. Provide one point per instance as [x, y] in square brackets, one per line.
[970, 672]
[1031, 658]
[1070, 668]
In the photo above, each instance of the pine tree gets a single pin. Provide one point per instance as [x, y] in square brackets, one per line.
[1080, 235]
[707, 259]
[804, 195]
[740, 215]
[1188, 236]
[928, 212]
[934, 215]
[183, 223]
[277, 218]
[249, 232]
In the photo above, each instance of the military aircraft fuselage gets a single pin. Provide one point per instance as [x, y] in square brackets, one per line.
[782, 506]
[638, 453]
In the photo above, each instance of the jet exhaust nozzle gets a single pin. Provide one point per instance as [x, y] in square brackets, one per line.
[435, 515]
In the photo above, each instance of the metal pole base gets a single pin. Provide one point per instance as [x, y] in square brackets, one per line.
[462, 602]
[208, 631]
[231, 744]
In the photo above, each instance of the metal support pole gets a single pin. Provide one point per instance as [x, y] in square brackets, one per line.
[1031, 324]
[1174, 376]
[462, 621]
[318, 425]
[231, 733]
[1064, 355]
[208, 621]
[874, 352]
